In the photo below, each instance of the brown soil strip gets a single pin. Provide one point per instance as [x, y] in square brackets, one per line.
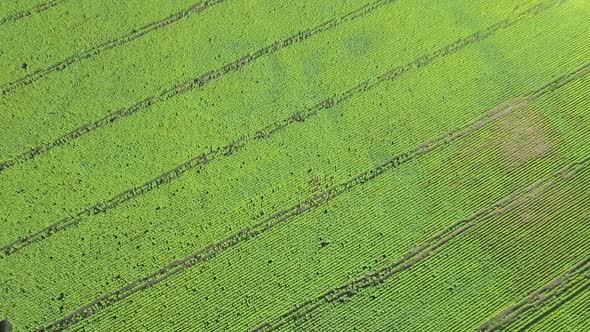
[265, 133]
[308, 204]
[526, 138]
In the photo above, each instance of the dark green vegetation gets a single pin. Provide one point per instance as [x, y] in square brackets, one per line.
[307, 165]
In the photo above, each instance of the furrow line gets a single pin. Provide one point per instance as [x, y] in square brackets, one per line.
[31, 11]
[108, 45]
[569, 282]
[415, 256]
[286, 215]
[575, 293]
[267, 132]
[188, 85]
[235, 66]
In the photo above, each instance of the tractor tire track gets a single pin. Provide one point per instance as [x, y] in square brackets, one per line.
[568, 298]
[181, 88]
[570, 283]
[238, 64]
[417, 255]
[308, 204]
[31, 11]
[108, 45]
[265, 133]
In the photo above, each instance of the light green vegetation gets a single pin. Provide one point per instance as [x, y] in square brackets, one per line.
[454, 62]
[119, 78]
[72, 27]
[570, 316]
[478, 271]
[12, 10]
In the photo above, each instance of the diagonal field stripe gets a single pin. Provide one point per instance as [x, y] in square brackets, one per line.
[308, 204]
[17, 16]
[178, 89]
[108, 45]
[265, 133]
[569, 284]
[350, 289]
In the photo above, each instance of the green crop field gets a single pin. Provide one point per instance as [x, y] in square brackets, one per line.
[266, 165]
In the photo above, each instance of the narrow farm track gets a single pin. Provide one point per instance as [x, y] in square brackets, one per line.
[111, 44]
[237, 65]
[542, 302]
[318, 200]
[516, 237]
[424, 250]
[23, 14]
[215, 165]
[190, 85]
[568, 297]
[265, 133]
[542, 198]
[568, 312]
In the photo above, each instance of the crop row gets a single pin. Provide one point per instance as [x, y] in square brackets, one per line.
[569, 315]
[193, 83]
[542, 302]
[178, 85]
[238, 275]
[159, 95]
[271, 222]
[291, 151]
[171, 224]
[172, 229]
[453, 288]
[284, 216]
[22, 14]
[263, 133]
[91, 28]
[339, 294]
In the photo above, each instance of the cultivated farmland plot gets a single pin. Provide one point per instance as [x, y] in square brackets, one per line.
[262, 165]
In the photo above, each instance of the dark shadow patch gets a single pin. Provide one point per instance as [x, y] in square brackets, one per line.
[359, 45]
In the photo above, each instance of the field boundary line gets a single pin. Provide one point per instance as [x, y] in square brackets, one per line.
[415, 256]
[306, 205]
[568, 284]
[237, 65]
[266, 132]
[22, 14]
